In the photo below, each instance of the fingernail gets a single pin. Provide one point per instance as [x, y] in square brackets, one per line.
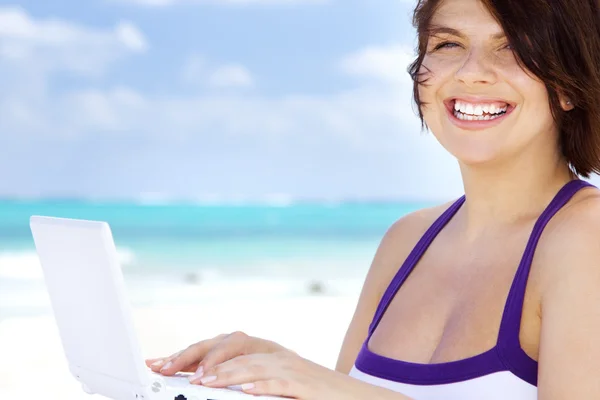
[247, 386]
[167, 365]
[197, 375]
[208, 379]
[157, 363]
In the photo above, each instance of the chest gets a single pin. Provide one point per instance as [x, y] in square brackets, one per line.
[450, 306]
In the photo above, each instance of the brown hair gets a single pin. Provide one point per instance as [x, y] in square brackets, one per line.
[558, 41]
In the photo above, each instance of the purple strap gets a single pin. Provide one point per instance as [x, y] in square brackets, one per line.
[412, 259]
[513, 310]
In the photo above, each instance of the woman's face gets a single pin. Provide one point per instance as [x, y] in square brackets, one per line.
[481, 105]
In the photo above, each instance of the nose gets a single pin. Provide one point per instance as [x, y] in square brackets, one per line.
[476, 69]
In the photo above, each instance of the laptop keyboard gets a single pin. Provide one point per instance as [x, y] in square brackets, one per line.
[181, 381]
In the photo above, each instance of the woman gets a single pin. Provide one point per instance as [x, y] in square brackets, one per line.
[495, 295]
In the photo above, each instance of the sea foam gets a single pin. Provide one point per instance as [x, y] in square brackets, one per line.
[26, 265]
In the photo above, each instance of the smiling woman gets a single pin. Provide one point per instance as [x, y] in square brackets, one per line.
[537, 59]
[494, 295]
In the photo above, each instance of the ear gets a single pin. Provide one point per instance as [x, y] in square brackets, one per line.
[566, 103]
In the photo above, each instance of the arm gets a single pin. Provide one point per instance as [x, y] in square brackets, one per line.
[569, 361]
[395, 246]
[380, 274]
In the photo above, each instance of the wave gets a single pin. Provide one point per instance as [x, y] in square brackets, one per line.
[279, 200]
[25, 265]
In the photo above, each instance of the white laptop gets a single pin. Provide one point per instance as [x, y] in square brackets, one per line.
[90, 304]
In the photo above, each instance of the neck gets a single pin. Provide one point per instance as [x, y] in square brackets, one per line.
[503, 195]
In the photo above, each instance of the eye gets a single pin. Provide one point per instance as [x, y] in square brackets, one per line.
[446, 45]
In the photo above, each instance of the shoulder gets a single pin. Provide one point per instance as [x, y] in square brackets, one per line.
[398, 241]
[570, 246]
[406, 231]
[404, 234]
[572, 237]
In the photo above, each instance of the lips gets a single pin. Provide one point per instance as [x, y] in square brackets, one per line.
[478, 124]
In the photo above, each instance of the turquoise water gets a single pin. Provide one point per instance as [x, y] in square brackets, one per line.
[225, 236]
[166, 247]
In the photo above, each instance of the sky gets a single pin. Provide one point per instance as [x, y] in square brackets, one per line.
[213, 100]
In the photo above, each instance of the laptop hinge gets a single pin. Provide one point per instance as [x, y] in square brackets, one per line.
[97, 383]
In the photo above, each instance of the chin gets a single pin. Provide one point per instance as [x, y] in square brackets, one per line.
[476, 160]
[472, 153]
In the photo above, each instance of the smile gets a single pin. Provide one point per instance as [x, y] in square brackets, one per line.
[476, 113]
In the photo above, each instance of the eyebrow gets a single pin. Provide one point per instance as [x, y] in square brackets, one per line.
[439, 29]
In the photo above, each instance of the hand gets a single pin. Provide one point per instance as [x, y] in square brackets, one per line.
[208, 353]
[281, 373]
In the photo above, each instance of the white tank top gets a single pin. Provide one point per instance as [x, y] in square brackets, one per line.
[496, 386]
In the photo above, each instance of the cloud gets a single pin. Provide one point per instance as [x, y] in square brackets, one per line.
[198, 71]
[385, 63]
[123, 140]
[164, 3]
[356, 143]
[53, 44]
[358, 116]
[131, 37]
[33, 50]
[194, 70]
[231, 76]
[362, 118]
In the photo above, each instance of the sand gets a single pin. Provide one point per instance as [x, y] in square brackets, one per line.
[33, 365]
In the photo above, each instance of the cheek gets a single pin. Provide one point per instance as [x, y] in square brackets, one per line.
[534, 101]
[435, 70]
[428, 87]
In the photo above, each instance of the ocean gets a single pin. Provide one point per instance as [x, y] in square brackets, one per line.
[182, 252]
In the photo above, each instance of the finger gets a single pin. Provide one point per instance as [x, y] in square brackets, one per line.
[273, 387]
[155, 364]
[150, 361]
[230, 347]
[201, 373]
[240, 370]
[159, 365]
[188, 359]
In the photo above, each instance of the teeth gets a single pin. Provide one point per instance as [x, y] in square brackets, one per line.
[478, 109]
[466, 117]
